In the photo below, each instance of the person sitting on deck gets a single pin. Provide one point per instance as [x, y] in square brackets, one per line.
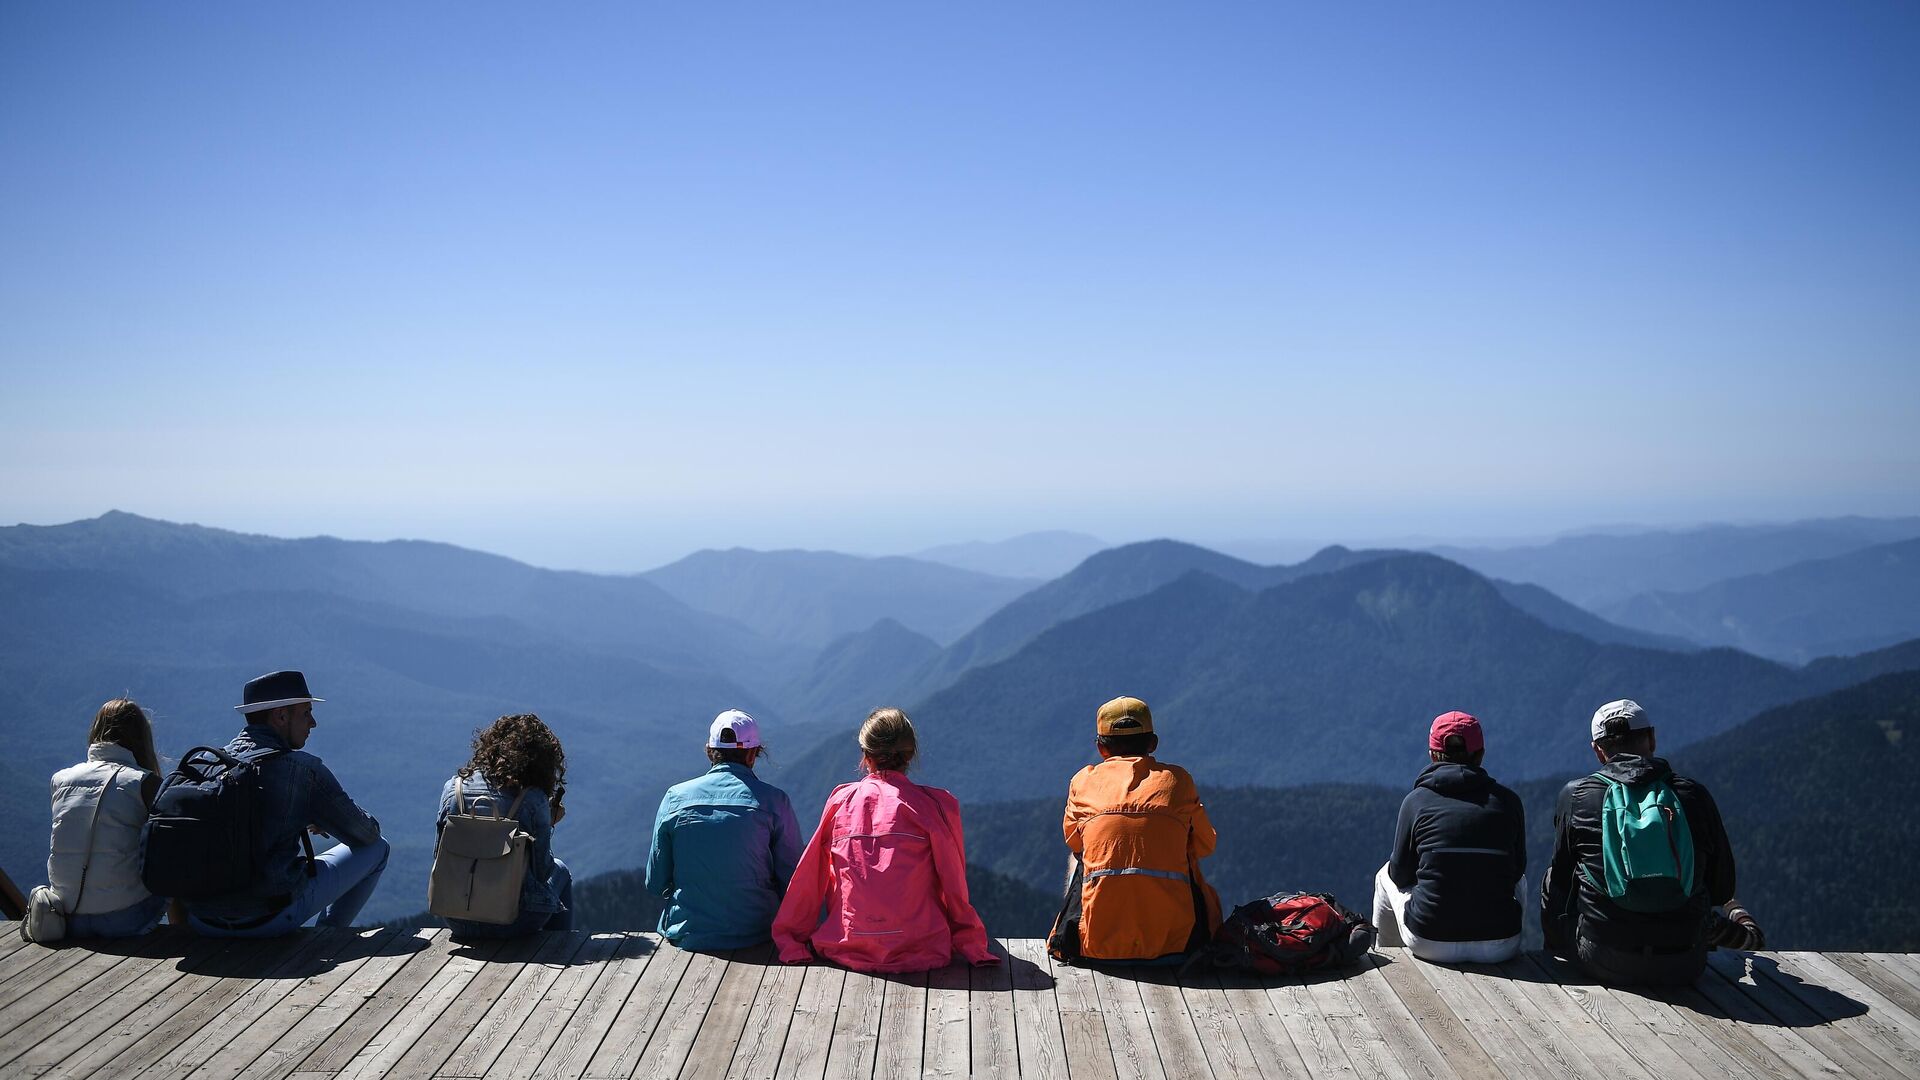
[99, 806]
[1640, 863]
[889, 863]
[518, 770]
[1140, 829]
[1451, 890]
[299, 793]
[724, 845]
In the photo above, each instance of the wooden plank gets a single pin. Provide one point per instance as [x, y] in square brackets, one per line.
[1675, 1027]
[1416, 1054]
[306, 953]
[948, 1042]
[65, 972]
[1506, 1043]
[496, 1028]
[382, 1053]
[1260, 1025]
[1858, 1058]
[1320, 1051]
[1753, 1044]
[1174, 1035]
[666, 1052]
[765, 1032]
[1903, 966]
[626, 1039]
[994, 1044]
[551, 1015]
[1456, 1045]
[436, 1044]
[319, 1023]
[175, 1013]
[804, 1054]
[1227, 1049]
[903, 1027]
[1365, 1043]
[1894, 991]
[719, 1036]
[27, 959]
[1036, 1011]
[425, 953]
[1135, 1057]
[1561, 1017]
[1649, 1047]
[228, 1058]
[856, 1027]
[586, 1030]
[1573, 1050]
[1830, 988]
[11, 943]
[1083, 1026]
[46, 1040]
[93, 978]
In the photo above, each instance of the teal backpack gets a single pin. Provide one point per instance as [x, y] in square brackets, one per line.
[1646, 847]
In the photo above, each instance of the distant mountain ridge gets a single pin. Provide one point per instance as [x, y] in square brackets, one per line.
[1849, 603]
[1599, 570]
[810, 598]
[1031, 555]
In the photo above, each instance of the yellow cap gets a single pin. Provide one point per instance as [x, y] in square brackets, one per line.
[1124, 716]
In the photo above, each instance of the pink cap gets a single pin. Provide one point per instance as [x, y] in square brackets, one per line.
[1456, 723]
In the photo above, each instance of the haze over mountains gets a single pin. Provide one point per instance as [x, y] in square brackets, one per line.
[1324, 670]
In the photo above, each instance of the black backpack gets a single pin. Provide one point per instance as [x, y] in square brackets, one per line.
[204, 835]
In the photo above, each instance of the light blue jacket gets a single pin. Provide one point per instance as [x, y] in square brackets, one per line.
[724, 847]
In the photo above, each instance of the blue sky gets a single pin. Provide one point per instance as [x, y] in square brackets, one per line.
[599, 285]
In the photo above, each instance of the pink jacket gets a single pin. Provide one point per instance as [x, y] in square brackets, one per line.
[889, 863]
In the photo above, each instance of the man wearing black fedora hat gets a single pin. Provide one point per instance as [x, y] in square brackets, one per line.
[299, 793]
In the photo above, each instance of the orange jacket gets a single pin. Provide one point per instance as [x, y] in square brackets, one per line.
[1141, 831]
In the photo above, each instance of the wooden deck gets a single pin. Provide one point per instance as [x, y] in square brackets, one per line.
[380, 1003]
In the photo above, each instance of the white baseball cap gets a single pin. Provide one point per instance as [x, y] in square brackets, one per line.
[1607, 719]
[733, 730]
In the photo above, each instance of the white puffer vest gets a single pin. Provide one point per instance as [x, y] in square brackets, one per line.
[107, 850]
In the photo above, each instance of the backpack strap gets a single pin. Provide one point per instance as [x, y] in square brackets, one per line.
[93, 827]
[254, 757]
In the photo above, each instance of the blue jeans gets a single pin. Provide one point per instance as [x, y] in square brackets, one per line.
[127, 922]
[342, 881]
[529, 921]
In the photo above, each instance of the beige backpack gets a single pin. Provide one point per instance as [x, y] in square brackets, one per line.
[479, 865]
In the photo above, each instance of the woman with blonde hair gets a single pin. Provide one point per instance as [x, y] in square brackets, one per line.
[889, 863]
[518, 770]
[99, 807]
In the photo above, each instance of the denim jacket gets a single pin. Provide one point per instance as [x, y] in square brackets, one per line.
[298, 790]
[535, 816]
[724, 847]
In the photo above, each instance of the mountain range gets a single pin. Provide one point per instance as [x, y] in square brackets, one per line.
[1330, 676]
[1849, 603]
[1319, 671]
[1598, 571]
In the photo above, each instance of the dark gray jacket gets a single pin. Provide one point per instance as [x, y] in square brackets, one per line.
[1574, 903]
[1461, 846]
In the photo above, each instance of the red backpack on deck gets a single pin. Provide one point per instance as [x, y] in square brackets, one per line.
[1290, 934]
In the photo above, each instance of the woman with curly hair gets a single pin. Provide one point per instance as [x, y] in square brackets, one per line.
[518, 770]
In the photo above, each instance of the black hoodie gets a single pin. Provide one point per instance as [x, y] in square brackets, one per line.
[1573, 904]
[1461, 845]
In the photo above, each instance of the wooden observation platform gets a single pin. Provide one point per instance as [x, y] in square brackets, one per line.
[325, 1004]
